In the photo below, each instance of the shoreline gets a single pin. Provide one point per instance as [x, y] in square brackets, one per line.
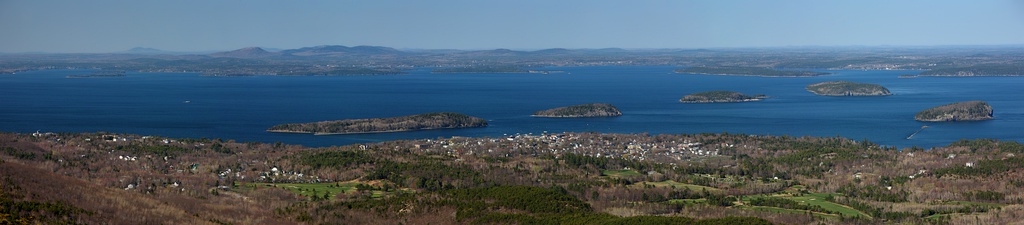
[543, 116]
[848, 95]
[729, 101]
[958, 120]
[361, 132]
[753, 75]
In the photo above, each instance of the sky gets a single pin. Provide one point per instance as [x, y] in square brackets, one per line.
[94, 26]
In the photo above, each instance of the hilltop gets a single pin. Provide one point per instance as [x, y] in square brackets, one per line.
[250, 52]
[340, 51]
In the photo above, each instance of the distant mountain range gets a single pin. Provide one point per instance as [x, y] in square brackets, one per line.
[347, 60]
[338, 50]
[250, 52]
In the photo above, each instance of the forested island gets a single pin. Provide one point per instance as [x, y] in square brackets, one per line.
[847, 88]
[748, 71]
[427, 121]
[960, 111]
[578, 111]
[720, 97]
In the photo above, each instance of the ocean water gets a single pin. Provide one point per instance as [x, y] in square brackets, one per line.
[183, 105]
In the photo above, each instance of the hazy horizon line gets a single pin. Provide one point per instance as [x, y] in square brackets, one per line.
[277, 49]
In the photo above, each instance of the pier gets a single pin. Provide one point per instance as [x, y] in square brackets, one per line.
[918, 131]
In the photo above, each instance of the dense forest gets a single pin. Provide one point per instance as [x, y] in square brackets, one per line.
[568, 178]
[443, 120]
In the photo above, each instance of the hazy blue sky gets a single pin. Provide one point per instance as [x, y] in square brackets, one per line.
[201, 25]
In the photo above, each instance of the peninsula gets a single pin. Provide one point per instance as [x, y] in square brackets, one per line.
[581, 111]
[720, 97]
[960, 111]
[748, 71]
[427, 121]
[846, 88]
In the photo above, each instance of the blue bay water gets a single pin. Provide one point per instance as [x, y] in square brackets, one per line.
[241, 108]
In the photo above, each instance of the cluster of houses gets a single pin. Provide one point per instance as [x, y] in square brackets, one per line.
[633, 147]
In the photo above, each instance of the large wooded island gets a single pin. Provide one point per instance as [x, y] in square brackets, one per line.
[846, 88]
[720, 97]
[427, 121]
[960, 111]
[581, 111]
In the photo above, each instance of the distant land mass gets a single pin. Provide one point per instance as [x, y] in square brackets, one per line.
[144, 51]
[720, 97]
[250, 52]
[379, 60]
[960, 111]
[156, 52]
[481, 69]
[748, 71]
[847, 88]
[427, 121]
[100, 74]
[987, 69]
[339, 51]
[581, 111]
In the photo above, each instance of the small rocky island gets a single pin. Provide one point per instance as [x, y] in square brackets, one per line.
[720, 97]
[846, 88]
[581, 111]
[960, 111]
[427, 121]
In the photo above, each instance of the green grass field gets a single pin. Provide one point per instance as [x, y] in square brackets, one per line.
[674, 184]
[815, 199]
[688, 201]
[818, 199]
[781, 210]
[963, 203]
[619, 173]
[307, 189]
[966, 203]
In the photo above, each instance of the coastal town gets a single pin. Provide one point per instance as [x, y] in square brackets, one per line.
[630, 147]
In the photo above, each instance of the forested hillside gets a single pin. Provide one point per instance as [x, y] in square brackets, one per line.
[576, 178]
